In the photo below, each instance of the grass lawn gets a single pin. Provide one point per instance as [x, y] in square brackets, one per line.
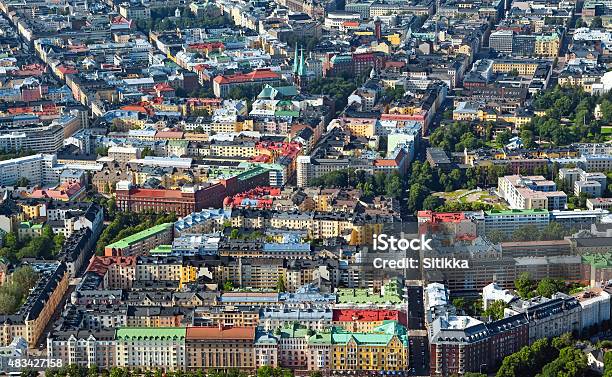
[473, 196]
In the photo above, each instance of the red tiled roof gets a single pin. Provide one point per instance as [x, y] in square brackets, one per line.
[351, 315]
[100, 265]
[441, 217]
[163, 87]
[206, 46]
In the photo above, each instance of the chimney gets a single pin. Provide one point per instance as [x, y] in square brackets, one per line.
[220, 326]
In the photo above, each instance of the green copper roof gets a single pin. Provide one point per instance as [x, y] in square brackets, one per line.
[294, 331]
[379, 336]
[517, 212]
[144, 333]
[287, 113]
[301, 67]
[603, 260]
[250, 173]
[162, 249]
[392, 294]
[320, 338]
[29, 224]
[134, 238]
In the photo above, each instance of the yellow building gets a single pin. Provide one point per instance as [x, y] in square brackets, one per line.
[547, 45]
[385, 348]
[360, 127]
[523, 67]
[36, 312]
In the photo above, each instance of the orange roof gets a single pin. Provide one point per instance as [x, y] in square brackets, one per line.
[156, 193]
[138, 108]
[66, 70]
[350, 23]
[384, 162]
[220, 333]
[163, 87]
[64, 191]
[258, 74]
[169, 135]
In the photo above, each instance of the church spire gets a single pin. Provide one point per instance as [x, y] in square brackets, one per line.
[302, 66]
[295, 59]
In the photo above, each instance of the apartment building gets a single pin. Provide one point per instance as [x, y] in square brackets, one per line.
[82, 347]
[357, 320]
[141, 242]
[257, 78]
[220, 348]
[383, 348]
[509, 221]
[34, 314]
[530, 192]
[188, 199]
[549, 317]
[151, 348]
[460, 344]
[38, 169]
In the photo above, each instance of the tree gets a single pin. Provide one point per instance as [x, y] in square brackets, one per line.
[146, 151]
[495, 310]
[280, 284]
[22, 182]
[393, 186]
[572, 362]
[547, 287]
[496, 236]
[596, 23]
[553, 231]
[102, 151]
[29, 372]
[8, 303]
[528, 360]
[459, 303]
[565, 340]
[431, 202]
[228, 286]
[607, 364]
[524, 285]
[526, 233]
[416, 196]
[24, 277]
[503, 138]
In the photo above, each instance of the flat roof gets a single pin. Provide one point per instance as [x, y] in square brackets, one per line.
[134, 238]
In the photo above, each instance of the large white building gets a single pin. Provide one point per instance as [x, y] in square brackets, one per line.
[530, 192]
[37, 169]
[595, 305]
[549, 317]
